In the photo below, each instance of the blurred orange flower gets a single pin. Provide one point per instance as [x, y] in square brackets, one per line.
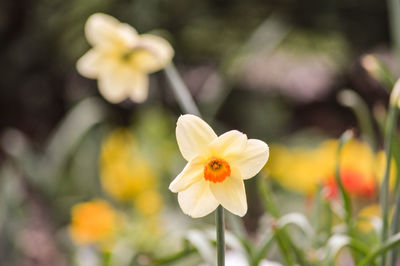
[93, 222]
[361, 169]
[353, 182]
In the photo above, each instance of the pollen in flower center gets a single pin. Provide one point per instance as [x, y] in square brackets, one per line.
[216, 170]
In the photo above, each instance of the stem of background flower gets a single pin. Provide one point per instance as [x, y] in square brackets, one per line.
[346, 136]
[353, 100]
[186, 102]
[381, 250]
[219, 220]
[182, 93]
[384, 190]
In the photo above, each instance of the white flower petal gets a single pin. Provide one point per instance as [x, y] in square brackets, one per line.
[231, 193]
[197, 201]
[193, 136]
[127, 34]
[230, 143]
[103, 30]
[89, 65]
[138, 87]
[154, 53]
[192, 173]
[114, 85]
[252, 159]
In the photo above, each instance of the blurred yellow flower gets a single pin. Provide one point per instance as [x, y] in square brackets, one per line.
[124, 175]
[149, 202]
[367, 216]
[301, 169]
[312, 167]
[216, 167]
[121, 59]
[93, 222]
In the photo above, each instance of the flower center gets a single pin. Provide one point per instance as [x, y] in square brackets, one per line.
[131, 53]
[216, 170]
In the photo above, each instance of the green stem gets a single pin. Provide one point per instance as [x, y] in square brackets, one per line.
[346, 136]
[182, 93]
[186, 102]
[352, 100]
[384, 190]
[282, 237]
[395, 229]
[394, 21]
[392, 242]
[219, 220]
[359, 246]
[105, 258]
[283, 246]
[263, 250]
[267, 199]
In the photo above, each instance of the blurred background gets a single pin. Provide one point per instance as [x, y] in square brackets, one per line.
[272, 69]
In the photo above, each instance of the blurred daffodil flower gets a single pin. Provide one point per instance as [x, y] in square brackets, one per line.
[216, 168]
[121, 59]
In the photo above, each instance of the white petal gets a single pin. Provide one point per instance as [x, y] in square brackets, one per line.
[252, 159]
[154, 53]
[114, 85]
[231, 193]
[192, 173]
[102, 29]
[197, 201]
[89, 65]
[138, 87]
[193, 136]
[127, 34]
[228, 144]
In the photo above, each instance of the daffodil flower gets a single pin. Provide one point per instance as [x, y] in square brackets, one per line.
[216, 168]
[121, 59]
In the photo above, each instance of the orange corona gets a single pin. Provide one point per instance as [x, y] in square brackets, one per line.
[216, 170]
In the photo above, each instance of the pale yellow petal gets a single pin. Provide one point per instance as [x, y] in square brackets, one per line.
[192, 173]
[128, 34]
[138, 87]
[197, 200]
[228, 144]
[231, 193]
[193, 136]
[113, 85]
[252, 159]
[153, 53]
[103, 30]
[89, 65]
